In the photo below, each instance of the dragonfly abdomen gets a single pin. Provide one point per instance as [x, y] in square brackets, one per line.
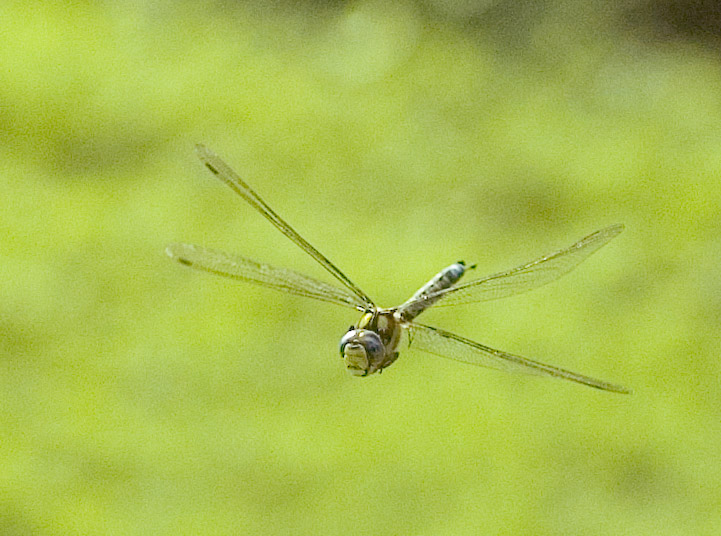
[428, 294]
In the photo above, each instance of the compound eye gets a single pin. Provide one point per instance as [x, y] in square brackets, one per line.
[361, 348]
[371, 341]
[368, 340]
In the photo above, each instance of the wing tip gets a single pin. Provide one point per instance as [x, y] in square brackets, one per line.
[620, 389]
[610, 387]
[613, 230]
[209, 159]
[175, 252]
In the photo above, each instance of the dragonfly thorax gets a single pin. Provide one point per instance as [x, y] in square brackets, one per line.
[371, 344]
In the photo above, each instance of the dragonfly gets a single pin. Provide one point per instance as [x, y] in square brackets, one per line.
[372, 344]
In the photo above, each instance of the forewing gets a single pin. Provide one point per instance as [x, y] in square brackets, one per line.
[442, 343]
[243, 269]
[528, 276]
[226, 174]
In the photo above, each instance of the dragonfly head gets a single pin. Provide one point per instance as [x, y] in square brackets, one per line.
[362, 351]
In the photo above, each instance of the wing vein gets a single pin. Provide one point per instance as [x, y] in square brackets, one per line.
[528, 276]
[449, 345]
[226, 174]
[248, 270]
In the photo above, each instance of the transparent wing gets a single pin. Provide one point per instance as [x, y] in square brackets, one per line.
[452, 346]
[528, 276]
[223, 171]
[242, 269]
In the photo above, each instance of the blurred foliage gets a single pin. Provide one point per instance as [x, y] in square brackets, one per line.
[142, 398]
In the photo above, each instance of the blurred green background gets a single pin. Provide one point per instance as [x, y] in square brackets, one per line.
[139, 397]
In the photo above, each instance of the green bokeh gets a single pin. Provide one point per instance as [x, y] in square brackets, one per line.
[143, 398]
